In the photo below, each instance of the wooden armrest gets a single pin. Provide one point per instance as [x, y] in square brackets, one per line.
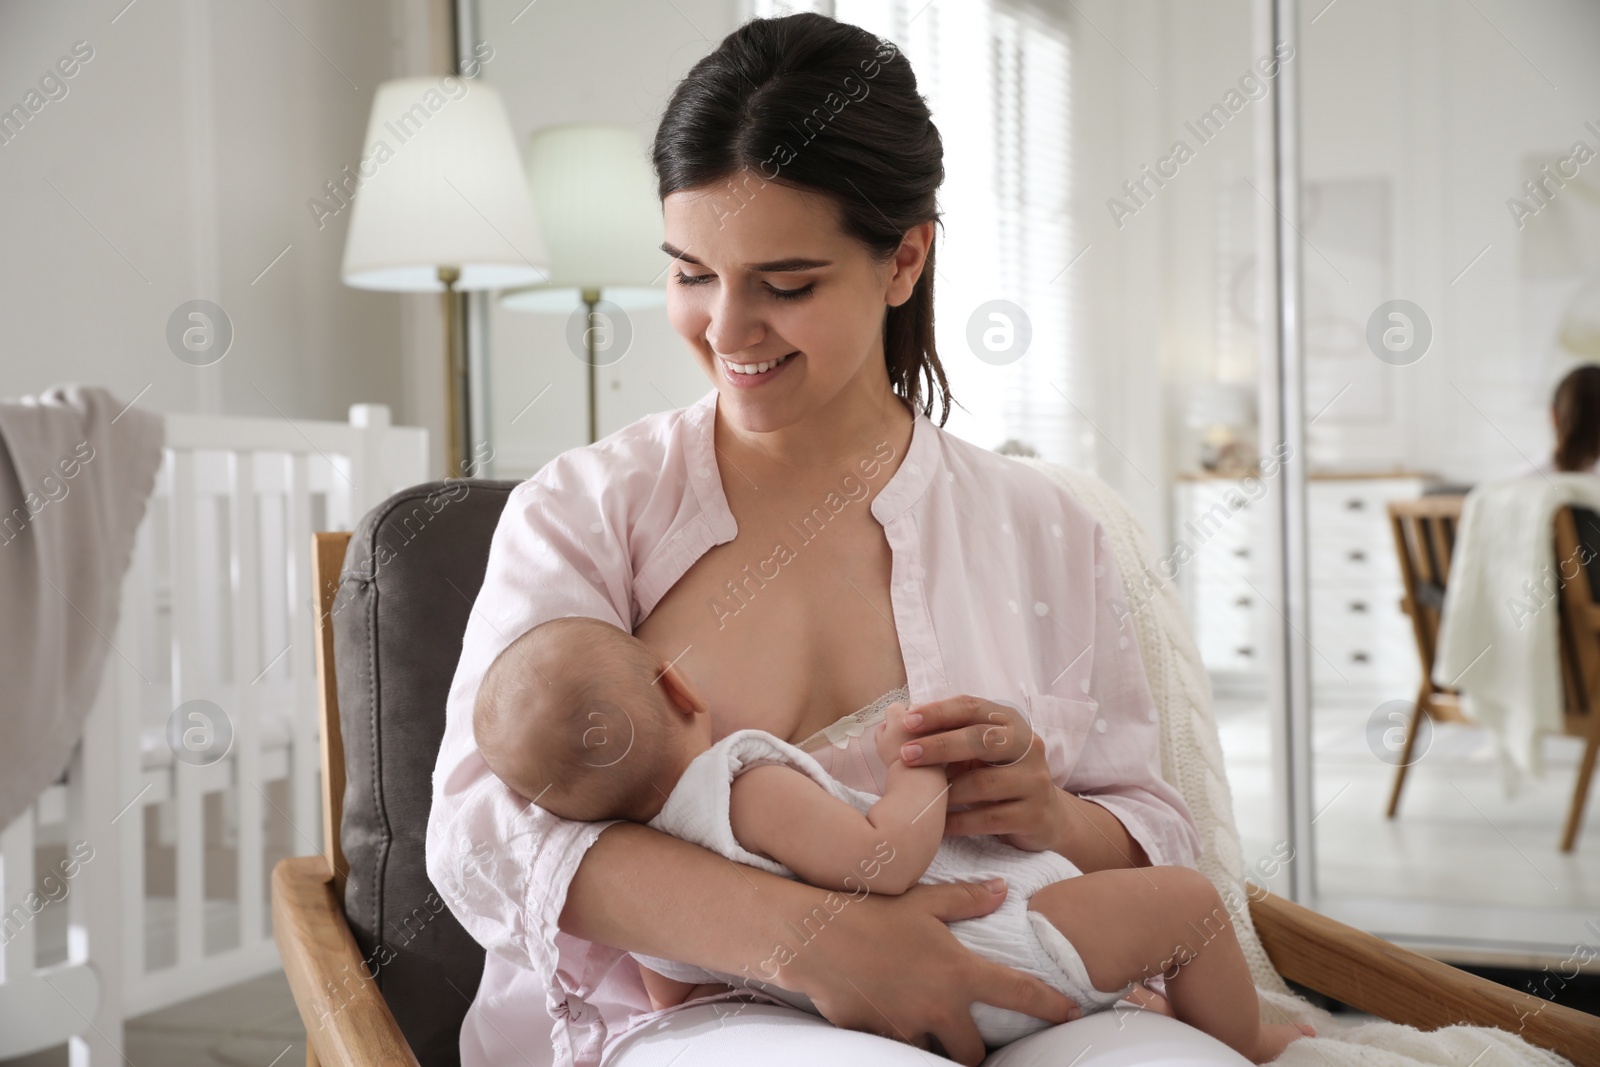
[1373, 975]
[347, 1021]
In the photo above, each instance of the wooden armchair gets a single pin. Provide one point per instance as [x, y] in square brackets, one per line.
[392, 622]
[1425, 536]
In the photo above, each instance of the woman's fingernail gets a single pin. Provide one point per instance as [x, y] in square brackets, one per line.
[910, 753]
[914, 719]
[995, 885]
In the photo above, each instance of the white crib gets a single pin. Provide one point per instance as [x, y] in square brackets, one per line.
[148, 874]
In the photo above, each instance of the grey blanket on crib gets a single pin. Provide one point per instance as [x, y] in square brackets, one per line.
[76, 470]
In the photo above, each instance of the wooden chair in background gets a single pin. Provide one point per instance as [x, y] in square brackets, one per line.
[1424, 540]
[1578, 567]
[1425, 535]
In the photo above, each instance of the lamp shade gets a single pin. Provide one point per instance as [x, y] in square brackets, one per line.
[439, 184]
[595, 196]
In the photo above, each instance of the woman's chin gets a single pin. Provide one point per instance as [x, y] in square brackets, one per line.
[755, 415]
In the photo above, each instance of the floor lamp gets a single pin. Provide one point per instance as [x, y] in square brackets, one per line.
[442, 206]
[594, 194]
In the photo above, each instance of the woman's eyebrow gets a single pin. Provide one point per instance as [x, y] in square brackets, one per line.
[777, 266]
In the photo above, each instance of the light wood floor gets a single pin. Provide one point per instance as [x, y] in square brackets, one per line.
[253, 1024]
[1463, 871]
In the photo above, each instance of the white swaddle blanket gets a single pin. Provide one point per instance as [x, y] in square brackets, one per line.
[697, 811]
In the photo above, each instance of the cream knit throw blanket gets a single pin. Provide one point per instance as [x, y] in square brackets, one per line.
[1191, 759]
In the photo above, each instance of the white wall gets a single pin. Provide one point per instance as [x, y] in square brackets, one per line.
[598, 61]
[1445, 100]
[177, 167]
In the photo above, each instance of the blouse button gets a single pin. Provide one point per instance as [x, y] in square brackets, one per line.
[703, 472]
[1084, 685]
[595, 527]
[1122, 642]
[1041, 608]
[1100, 726]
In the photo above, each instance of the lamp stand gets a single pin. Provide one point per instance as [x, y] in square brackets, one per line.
[458, 417]
[591, 300]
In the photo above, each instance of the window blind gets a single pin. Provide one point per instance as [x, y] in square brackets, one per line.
[997, 77]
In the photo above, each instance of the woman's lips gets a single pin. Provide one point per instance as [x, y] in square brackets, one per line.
[750, 381]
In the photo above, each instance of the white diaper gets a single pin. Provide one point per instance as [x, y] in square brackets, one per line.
[697, 811]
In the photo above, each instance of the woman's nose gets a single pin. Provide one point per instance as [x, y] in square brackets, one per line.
[733, 326]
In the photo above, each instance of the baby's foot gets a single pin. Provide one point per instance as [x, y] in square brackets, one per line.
[1275, 1037]
[1149, 1000]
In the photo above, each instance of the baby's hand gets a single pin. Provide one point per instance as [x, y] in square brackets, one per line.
[892, 732]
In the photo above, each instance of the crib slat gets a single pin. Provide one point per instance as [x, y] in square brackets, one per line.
[187, 641]
[249, 664]
[127, 817]
[16, 874]
[306, 762]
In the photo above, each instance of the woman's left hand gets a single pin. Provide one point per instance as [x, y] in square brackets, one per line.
[996, 763]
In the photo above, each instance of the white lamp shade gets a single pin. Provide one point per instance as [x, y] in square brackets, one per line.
[596, 200]
[441, 186]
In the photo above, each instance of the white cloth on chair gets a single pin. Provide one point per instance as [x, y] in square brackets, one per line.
[75, 472]
[1499, 627]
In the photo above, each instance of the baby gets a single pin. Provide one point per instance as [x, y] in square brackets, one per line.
[586, 721]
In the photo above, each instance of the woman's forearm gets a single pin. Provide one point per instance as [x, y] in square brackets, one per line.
[641, 890]
[1094, 839]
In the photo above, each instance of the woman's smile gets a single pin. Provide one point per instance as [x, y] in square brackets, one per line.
[750, 375]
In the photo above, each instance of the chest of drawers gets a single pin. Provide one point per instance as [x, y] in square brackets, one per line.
[1361, 641]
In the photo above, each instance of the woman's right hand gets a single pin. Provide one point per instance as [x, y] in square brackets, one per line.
[891, 967]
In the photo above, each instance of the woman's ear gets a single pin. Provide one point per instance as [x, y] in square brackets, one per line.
[680, 692]
[909, 261]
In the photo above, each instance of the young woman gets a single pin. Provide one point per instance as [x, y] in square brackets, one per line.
[806, 545]
[1575, 414]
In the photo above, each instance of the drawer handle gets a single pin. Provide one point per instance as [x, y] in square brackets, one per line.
[1245, 650]
[1359, 657]
[1359, 607]
[1357, 555]
[1242, 553]
[1243, 601]
[1355, 503]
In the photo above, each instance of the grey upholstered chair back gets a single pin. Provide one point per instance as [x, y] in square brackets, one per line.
[410, 576]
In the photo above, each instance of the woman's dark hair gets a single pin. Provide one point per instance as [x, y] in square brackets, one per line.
[1577, 410]
[820, 106]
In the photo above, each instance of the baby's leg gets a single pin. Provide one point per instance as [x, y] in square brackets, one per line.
[1131, 924]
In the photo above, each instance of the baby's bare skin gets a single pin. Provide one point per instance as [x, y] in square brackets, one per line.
[1127, 925]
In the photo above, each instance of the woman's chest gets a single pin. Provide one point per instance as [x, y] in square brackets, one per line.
[787, 627]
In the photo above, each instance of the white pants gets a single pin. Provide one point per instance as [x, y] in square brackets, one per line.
[737, 1034]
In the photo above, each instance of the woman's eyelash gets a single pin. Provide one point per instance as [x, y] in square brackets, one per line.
[781, 294]
[792, 294]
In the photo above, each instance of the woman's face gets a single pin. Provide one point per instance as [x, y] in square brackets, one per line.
[762, 273]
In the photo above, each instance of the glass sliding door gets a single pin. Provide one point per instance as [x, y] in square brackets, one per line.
[1450, 229]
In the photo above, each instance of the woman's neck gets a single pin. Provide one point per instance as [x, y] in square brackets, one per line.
[835, 435]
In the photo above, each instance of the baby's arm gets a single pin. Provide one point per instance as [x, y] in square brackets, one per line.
[782, 814]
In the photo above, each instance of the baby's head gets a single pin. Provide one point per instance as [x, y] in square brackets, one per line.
[583, 719]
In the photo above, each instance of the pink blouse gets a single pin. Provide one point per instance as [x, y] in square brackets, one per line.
[1002, 587]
